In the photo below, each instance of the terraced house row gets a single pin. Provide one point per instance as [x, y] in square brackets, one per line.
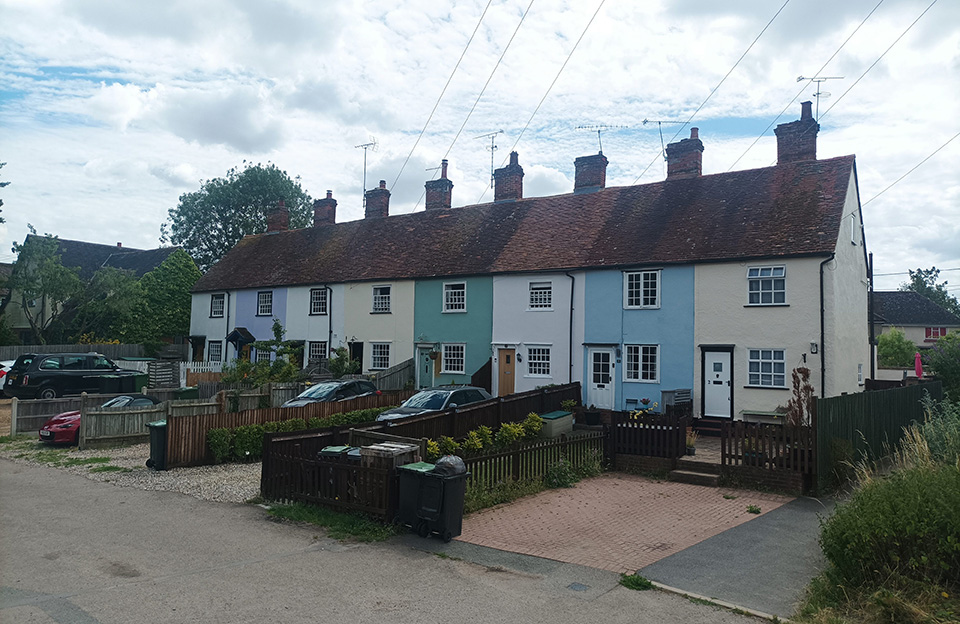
[721, 284]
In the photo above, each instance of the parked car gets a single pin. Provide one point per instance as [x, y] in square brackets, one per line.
[49, 375]
[5, 367]
[339, 390]
[65, 428]
[436, 400]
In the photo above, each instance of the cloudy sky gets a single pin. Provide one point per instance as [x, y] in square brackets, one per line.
[110, 109]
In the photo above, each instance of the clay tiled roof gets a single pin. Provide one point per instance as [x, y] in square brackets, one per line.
[792, 209]
[909, 308]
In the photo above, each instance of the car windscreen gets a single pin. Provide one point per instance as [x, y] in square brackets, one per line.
[430, 399]
[320, 391]
[119, 401]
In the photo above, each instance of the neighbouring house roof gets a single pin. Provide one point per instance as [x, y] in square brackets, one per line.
[791, 209]
[89, 257]
[909, 308]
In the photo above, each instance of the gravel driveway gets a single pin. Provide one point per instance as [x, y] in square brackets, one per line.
[125, 466]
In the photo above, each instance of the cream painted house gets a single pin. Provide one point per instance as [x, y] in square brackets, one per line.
[378, 322]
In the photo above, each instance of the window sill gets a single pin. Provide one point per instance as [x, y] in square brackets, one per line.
[766, 305]
[767, 387]
[539, 310]
[453, 312]
[449, 372]
[380, 312]
[217, 317]
[317, 314]
[538, 376]
[641, 307]
[269, 314]
[642, 381]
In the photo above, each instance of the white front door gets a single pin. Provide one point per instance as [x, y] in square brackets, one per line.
[717, 389]
[600, 385]
[424, 368]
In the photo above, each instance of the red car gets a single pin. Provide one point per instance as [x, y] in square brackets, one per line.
[65, 428]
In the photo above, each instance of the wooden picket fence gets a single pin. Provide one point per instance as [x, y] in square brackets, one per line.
[651, 435]
[770, 447]
[531, 460]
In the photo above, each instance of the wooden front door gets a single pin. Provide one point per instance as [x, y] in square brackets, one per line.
[507, 372]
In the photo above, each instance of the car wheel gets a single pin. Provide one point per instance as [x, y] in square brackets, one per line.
[48, 393]
[76, 438]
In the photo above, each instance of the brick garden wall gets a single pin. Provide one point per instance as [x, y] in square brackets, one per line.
[642, 463]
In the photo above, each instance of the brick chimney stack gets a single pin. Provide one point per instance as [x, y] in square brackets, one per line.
[508, 181]
[325, 210]
[797, 140]
[378, 202]
[278, 218]
[591, 173]
[685, 159]
[440, 191]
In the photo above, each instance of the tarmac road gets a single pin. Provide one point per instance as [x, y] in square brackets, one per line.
[81, 551]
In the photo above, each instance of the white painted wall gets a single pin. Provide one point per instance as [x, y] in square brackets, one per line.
[515, 325]
[213, 328]
[395, 327]
[300, 325]
[723, 317]
[846, 330]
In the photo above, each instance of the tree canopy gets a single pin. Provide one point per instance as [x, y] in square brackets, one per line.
[895, 350]
[924, 281]
[209, 222]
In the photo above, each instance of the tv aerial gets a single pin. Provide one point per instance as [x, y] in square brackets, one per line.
[492, 147]
[819, 94]
[660, 122]
[372, 145]
[600, 128]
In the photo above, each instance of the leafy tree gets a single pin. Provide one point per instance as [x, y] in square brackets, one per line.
[282, 368]
[43, 283]
[943, 361]
[209, 222]
[165, 304]
[342, 364]
[924, 281]
[895, 350]
[107, 308]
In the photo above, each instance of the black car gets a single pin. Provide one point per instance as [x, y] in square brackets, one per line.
[436, 400]
[339, 390]
[49, 375]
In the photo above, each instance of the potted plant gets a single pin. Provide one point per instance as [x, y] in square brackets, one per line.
[753, 454]
[591, 416]
[692, 438]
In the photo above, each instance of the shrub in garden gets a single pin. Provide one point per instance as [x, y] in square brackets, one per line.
[906, 523]
[248, 443]
[485, 434]
[561, 474]
[219, 441]
[472, 444]
[941, 430]
[508, 434]
[433, 451]
[532, 425]
[448, 446]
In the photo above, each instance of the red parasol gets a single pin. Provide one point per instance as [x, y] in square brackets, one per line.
[917, 366]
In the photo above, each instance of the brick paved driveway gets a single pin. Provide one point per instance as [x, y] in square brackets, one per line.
[614, 522]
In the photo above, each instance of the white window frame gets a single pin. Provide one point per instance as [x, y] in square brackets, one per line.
[762, 359]
[318, 301]
[636, 373]
[445, 359]
[222, 298]
[536, 299]
[219, 345]
[933, 334]
[539, 359]
[374, 364]
[854, 222]
[450, 304]
[265, 303]
[766, 273]
[262, 355]
[860, 374]
[640, 299]
[310, 350]
[381, 299]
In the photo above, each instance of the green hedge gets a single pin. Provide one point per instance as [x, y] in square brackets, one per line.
[245, 443]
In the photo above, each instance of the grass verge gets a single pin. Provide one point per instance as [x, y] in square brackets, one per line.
[109, 468]
[478, 498]
[339, 525]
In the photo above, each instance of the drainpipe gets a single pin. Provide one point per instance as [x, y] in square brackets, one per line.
[329, 319]
[873, 346]
[573, 283]
[823, 349]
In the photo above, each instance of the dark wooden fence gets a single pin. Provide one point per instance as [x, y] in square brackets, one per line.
[532, 460]
[651, 435]
[112, 351]
[865, 426]
[187, 432]
[771, 447]
[292, 472]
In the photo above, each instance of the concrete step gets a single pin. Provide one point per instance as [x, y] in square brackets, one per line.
[694, 465]
[695, 478]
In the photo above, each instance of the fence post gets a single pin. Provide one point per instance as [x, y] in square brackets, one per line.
[515, 468]
[13, 415]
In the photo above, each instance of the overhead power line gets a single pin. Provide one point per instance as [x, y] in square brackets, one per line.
[908, 272]
[547, 92]
[442, 92]
[714, 90]
[912, 169]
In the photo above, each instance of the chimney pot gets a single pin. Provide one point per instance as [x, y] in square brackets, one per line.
[325, 210]
[508, 181]
[591, 173]
[685, 158]
[440, 191]
[797, 140]
[119, 244]
[383, 184]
